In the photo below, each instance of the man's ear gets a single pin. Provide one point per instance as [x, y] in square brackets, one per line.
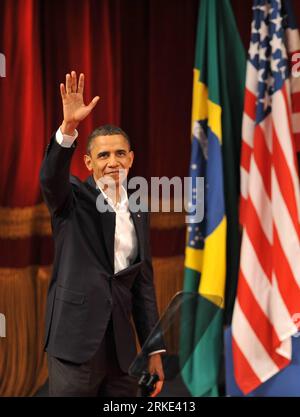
[88, 162]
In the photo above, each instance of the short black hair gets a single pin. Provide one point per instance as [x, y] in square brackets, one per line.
[105, 130]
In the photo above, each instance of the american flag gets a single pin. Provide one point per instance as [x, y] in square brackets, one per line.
[268, 296]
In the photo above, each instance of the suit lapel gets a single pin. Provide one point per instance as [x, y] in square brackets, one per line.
[107, 224]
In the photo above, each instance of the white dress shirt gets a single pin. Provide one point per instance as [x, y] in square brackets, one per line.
[126, 245]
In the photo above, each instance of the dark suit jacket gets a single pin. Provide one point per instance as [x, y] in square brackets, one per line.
[84, 291]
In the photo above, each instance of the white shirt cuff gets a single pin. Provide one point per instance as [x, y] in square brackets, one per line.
[66, 141]
[157, 351]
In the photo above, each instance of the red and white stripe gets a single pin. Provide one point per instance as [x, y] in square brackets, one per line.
[269, 278]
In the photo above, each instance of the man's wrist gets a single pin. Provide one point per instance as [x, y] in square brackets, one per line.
[157, 352]
[64, 140]
[68, 128]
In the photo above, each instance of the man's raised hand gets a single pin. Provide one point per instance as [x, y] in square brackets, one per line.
[73, 105]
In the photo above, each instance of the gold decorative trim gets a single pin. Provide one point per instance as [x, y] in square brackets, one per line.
[43, 272]
[23, 222]
[23, 362]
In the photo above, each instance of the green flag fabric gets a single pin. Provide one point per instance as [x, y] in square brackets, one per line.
[213, 245]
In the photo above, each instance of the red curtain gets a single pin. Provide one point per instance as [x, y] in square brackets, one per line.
[81, 36]
[21, 102]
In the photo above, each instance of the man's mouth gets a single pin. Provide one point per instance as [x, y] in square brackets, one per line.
[112, 172]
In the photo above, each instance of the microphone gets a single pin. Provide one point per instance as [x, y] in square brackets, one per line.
[147, 383]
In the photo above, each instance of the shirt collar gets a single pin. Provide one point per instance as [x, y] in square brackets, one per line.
[108, 194]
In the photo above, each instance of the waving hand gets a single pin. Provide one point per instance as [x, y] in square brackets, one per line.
[74, 108]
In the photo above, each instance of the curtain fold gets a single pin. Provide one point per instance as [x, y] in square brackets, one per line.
[22, 300]
[81, 36]
[21, 103]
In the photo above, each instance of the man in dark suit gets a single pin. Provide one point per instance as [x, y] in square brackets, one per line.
[102, 273]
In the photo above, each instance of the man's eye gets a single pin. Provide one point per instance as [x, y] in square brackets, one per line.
[121, 153]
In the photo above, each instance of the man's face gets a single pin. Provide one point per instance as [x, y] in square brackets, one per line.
[109, 156]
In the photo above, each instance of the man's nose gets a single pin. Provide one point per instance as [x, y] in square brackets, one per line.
[113, 161]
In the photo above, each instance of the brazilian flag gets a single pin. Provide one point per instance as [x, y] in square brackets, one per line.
[212, 248]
